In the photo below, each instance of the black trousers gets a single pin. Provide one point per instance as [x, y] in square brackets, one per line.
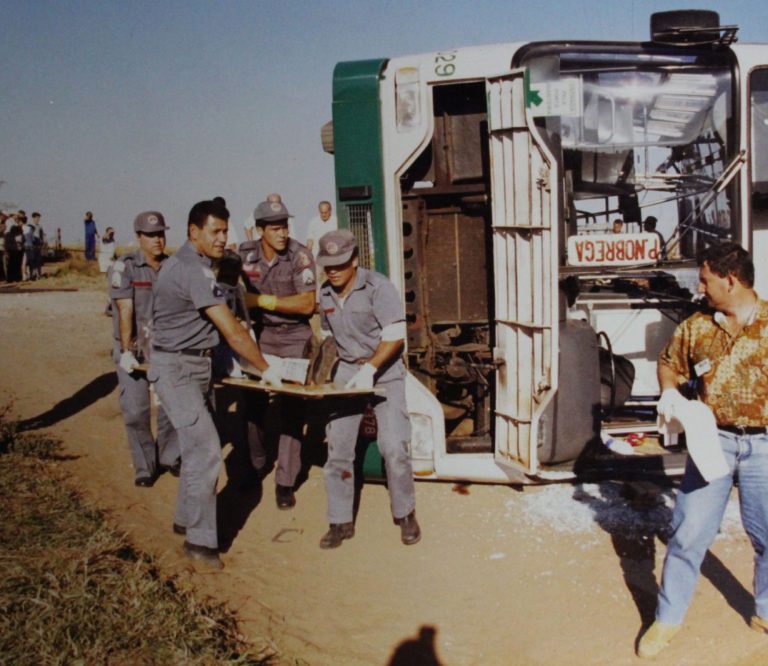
[14, 265]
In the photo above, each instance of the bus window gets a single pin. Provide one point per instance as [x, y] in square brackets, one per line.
[652, 136]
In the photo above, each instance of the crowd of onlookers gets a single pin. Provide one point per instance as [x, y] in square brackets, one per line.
[24, 245]
[21, 246]
[23, 241]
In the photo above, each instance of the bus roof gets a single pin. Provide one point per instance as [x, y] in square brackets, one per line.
[477, 62]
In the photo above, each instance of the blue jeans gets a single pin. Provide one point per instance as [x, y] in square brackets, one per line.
[699, 510]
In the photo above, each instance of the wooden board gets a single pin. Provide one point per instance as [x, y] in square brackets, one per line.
[316, 392]
[324, 391]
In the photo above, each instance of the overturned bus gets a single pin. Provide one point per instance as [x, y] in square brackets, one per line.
[486, 183]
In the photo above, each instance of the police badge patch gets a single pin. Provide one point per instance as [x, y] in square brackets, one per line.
[308, 276]
[303, 260]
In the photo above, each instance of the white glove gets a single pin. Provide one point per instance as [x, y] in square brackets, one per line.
[128, 361]
[669, 401]
[271, 376]
[363, 378]
[155, 398]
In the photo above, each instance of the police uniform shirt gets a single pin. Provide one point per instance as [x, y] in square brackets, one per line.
[185, 286]
[291, 272]
[357, 323]
[132, 277]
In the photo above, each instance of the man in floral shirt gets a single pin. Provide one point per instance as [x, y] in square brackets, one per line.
[724, 352]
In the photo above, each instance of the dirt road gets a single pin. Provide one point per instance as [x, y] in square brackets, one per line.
[555, 575]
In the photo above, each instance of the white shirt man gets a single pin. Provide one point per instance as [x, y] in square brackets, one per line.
[321, 224]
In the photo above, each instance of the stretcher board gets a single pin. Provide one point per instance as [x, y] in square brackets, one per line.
[323, 391]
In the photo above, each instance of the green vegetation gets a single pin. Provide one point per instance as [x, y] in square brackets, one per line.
[76, 273]
[75, 591]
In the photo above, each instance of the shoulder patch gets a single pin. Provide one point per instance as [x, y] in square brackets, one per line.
[308, 276]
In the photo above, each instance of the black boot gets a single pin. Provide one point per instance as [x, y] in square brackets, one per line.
[410, 532]
[208, 556]
[285, 497]
[338, 532]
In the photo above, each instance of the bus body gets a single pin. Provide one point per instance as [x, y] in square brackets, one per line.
[485, 182]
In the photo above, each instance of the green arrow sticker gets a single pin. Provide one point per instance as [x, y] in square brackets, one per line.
[533, 98]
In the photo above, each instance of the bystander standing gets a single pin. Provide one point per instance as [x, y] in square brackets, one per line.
[723, 352]
[14, 246]
[91, 234]
[35, 260]
[322, 223]
[3, 218]
[107, 249]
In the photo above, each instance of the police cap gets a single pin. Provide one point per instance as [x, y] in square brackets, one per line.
[336, 248]
[149, 222]
[269, 212]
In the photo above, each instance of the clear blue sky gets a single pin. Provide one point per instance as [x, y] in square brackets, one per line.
[118, 107]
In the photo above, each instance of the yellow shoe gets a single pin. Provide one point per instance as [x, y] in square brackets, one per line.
[758, 624]
[656, 639]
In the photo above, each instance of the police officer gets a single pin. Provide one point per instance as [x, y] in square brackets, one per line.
[281, 272]
[189, 313]
[364, 313]
[131, 279]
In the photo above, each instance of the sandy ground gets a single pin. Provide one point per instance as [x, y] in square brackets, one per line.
[547, 575]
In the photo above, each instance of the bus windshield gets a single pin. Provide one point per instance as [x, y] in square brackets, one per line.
[646, 140]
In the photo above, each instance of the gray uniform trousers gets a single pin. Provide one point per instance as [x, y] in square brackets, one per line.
[183, 384]
[135, 404]
[394, 433]
[286, 342]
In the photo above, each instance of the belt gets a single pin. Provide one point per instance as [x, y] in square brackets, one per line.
[743, 430]
[206, 353]
[287, 325]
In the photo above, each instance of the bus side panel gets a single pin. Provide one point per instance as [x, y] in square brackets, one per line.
[358, 158]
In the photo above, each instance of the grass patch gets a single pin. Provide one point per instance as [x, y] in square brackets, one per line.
[77, 273]
[74, 590]
[11, 441]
